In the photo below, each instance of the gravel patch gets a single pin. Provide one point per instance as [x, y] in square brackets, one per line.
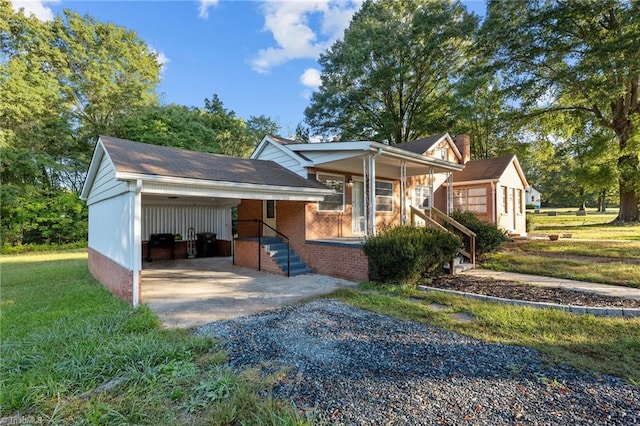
[353, 367]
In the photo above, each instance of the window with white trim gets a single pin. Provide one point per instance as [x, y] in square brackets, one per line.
[333, 202]
[505, 200]
[421, 197]
[384, 196]
[470, 199]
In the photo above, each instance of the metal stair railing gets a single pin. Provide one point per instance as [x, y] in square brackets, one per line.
[260, 224]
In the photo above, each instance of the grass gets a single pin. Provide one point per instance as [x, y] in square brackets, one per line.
[596, 251]
[606, 345]
[73, 353]
[594, 225]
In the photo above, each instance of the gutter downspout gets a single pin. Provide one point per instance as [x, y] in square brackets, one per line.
[372, 192]
[136, 241]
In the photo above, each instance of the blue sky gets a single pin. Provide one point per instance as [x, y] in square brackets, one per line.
[258, 56]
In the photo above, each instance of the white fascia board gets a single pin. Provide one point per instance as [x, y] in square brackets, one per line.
[197, 187]
[268, 141]
[373, 147]
[332, 146]
[473, 182]
[94, 166]
[419, 158]
[515, 161]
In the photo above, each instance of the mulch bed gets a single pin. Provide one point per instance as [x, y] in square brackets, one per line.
[513, 290]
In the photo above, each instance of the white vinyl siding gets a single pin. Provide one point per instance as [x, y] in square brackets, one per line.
[286, 160]
[384, 196]
[105, 185]
[334, 202]
[109, 228]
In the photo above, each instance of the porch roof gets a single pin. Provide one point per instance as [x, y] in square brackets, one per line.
[347, 157]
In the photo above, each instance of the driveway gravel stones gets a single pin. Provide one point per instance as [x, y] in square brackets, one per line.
[353, 367]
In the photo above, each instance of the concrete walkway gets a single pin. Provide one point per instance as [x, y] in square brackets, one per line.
[189, 292]
[603, 289]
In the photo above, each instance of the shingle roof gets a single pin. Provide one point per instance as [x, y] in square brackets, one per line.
[420, 146]
[485, 169]
[146, 159]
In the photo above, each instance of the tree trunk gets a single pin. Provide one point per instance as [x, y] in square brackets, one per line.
[582, 202]
[628, 207]
[602, 201]
[629, 198]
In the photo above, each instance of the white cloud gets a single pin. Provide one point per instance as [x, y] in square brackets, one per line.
[311, 78]
[288, 22]
[38, 8]
[161, 58]
[205, 5]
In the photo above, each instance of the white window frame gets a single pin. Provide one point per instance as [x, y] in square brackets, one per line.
[419, 199]
[463, 194]
[378, 210]
[332, 176]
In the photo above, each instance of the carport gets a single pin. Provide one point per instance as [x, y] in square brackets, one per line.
[189, 292]
[134, 190]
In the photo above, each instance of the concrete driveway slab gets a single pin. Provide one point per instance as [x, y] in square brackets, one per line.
[189, 292]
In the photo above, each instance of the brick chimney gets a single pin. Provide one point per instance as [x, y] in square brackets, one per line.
[463, 142]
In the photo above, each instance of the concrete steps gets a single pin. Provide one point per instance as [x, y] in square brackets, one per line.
[277, 250]
[459, 265]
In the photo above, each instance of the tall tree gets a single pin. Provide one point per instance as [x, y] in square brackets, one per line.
[61, 83]
[390, 78]
[578, 57]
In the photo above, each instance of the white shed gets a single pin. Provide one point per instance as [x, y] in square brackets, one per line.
[134, 190]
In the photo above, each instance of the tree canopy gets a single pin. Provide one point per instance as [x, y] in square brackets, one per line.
[580, 58]
[64, 82]
[391, 76]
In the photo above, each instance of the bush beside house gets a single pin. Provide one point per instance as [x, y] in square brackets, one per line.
[404, 254]
[488, 237]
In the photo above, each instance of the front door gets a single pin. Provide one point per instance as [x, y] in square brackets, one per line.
[357, 204]
[269, 217]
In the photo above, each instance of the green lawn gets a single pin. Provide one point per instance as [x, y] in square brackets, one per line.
[595, 251]
[594, 225]
[73, 353]
[607, 345]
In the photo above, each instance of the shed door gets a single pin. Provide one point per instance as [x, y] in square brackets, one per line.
[269, 217]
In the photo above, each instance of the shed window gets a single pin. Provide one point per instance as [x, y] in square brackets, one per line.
[470, 199]
[333, 202]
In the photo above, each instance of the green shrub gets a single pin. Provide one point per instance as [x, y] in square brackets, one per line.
[530, 222]
[488, 237]
[403, 254]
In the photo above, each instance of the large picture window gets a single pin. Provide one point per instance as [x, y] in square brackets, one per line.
[384, 196]
[470, 199]
[333, 202]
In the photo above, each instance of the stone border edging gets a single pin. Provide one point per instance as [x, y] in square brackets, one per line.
[573, 309]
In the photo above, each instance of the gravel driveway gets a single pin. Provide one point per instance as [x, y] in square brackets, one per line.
[353, 367]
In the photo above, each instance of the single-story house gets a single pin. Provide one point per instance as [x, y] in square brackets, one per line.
[493, 188]
[300, 207]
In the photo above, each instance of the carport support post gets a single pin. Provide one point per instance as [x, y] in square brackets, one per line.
[259, 223]
[135, 242]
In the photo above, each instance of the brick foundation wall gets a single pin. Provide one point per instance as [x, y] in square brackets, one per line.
[247, 257]
[118, 279]
[337, 260]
